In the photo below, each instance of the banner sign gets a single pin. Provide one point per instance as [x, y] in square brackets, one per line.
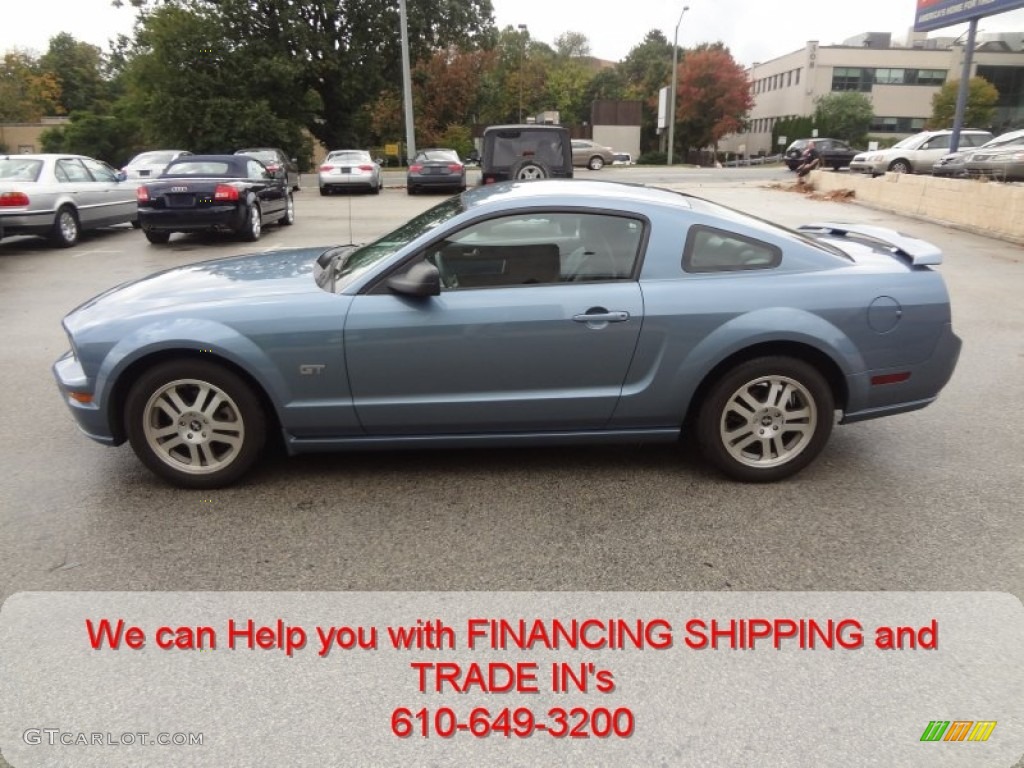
[936, 14]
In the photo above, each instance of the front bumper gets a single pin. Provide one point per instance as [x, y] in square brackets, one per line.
[91, 417]
[865, 166]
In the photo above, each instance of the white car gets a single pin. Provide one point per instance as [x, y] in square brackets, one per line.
[622, 158]
[349, 169]
[914, 154]
[149, 165]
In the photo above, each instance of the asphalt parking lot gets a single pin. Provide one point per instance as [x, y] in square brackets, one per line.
[924, 501]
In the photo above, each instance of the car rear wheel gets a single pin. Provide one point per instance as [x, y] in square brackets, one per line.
[899, 166]
[596, 163]
[289, 211]
[325, 191]
[195, 423]
[66, 229]
[156, 237]
[253, 226]
[766, 419]
[376, 188]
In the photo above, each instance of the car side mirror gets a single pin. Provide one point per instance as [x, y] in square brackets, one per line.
[122, 175]
[421, 279]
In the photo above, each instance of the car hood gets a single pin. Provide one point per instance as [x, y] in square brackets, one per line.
[246, 279]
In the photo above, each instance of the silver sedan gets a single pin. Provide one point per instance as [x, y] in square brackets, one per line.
[349, 169]
[59, 196]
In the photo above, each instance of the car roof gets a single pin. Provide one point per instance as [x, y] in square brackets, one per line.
[46, 156]
[572, 192]
[522, 126]
[257, 149]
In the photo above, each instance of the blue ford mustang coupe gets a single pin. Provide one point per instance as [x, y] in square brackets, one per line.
[550, 312]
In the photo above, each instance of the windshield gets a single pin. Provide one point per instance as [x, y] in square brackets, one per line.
[20, 169]
[910, 142]
[349, 157]
[153, 158]
[358, 261]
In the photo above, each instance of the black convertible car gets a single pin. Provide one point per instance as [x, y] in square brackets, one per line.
[234, 193]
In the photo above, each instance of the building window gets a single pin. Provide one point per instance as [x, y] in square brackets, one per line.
[890, 76]
[897, 124]
[931, 76]
[789, 78]
[852, 79]
[797, 77]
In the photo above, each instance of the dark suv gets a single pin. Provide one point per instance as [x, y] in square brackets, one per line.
[525, 152]
[835, 154]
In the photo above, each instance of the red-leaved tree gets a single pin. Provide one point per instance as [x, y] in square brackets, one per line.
[712, 99]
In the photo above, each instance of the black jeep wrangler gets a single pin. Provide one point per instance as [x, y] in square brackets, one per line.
[524, 152]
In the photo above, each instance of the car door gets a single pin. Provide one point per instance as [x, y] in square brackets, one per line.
[534, 329]
[930, 151]
[77, 183]
[116, 199]
[269, 188]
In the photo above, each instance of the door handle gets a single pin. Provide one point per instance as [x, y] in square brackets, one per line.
[602, 316]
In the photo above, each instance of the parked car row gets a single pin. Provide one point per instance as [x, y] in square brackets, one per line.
[58, 196]
[1001, 158]
[914, 154]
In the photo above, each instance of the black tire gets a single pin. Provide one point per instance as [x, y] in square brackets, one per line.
[297, 186]
[289, 211]
[596, 163]
[410, 189]
[66, 228]
[836, 166]
[156, 237]
[252, 228]
[900, 166]
[376, 188]
[135, 224]
[777, 439]
[191, 455]
[529, 170]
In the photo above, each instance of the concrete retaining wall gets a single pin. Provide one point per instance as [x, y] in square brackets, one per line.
[988, 208]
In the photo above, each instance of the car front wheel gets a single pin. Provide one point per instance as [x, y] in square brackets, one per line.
[194, 423]
[899, 166]
[253, 225]
[289, 210]
[766, 419]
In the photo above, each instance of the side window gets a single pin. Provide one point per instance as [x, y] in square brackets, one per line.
[69, 169]
[100, 171]
[939, 142]
[539, 248]
[715, 250]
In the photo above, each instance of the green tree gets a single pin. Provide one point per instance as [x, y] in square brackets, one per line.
[115, 138]
[646, 69]
[712, 99]
[78, 69]
[198, 90]
[792, 128]
[981, 104]
[844, 116]
[26, 91]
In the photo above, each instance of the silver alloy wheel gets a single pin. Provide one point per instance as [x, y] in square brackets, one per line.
[193, 426]
[255, 225]
[596, 163]
[289, 212]
[900, 166]
[68, 226]
[768, 421]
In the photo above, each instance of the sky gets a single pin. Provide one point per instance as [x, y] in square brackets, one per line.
[754, 30]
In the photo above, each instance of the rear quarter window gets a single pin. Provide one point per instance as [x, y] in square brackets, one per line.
[709, 249]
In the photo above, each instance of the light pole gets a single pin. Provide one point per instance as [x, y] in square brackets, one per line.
[410, 129]
[672, 93]
[522, 53]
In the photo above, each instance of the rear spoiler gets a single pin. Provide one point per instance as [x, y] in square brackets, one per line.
[920, 252]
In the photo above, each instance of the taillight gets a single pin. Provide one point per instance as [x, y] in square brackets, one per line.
[225, 192]
[273, 168]
[326, 168]
[141, 194]
[13, 200]
[455, 168]
[415, 168]
[365, 167]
